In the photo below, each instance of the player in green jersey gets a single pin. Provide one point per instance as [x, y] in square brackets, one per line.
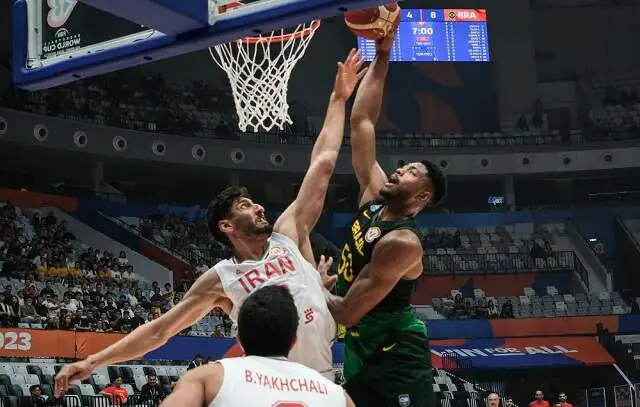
[386, 359]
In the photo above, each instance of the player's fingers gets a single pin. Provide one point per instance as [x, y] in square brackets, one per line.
[357, 59]
[330, 282]
[359, 56]
[61, 384]
[362, 73]
[349, 59]
[329, 262]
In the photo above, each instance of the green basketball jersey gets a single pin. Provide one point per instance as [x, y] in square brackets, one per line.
[393, 313]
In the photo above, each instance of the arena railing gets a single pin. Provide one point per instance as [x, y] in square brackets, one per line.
[384, 138]
[581, 271]
[134, 400]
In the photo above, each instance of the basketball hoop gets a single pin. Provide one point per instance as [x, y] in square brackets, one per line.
[259, 69]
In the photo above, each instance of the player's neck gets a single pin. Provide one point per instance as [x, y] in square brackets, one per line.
[394, 212]
[250, 248]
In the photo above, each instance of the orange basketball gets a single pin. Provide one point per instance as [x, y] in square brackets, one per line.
[374, 23]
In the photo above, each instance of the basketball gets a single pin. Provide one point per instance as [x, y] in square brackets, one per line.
[374, 23]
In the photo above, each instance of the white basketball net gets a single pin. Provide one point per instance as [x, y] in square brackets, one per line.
[259, 70]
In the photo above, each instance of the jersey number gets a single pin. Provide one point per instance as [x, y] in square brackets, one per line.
[289, 404]
[345, 269]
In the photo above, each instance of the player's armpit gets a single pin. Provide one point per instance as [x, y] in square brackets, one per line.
[394, 256]
[205, 294]
[307, 250]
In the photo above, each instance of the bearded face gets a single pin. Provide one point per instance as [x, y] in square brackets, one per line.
[404, 183]
[249, 219]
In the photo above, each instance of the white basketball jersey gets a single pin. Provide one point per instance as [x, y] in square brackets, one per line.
[257, 382]
[283, 264]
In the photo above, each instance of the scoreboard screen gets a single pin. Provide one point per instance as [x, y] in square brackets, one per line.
[437, 35]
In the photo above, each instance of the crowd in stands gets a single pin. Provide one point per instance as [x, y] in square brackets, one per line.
[190, 239]
[52, 282]
[457, 307]
[532, 304]
[136, 100]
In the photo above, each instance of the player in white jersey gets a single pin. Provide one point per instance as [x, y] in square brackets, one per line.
[283, 263]
[267, 324]
[264, 254]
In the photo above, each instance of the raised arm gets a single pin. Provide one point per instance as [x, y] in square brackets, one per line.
[364, 116]
[396, 255]
[205, 294]
[302, 215]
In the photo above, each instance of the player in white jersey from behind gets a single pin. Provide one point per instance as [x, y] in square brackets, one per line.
[264, 254]
[267, 325]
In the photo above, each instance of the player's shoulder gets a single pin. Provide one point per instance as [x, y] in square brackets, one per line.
[222, 264]
[209, 371]
[400, 241]
[214, 274]
[402, 237]
[280, 239]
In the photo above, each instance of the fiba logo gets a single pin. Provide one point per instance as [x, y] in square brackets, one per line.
[61, 33]
[63, 40]
[60, 11]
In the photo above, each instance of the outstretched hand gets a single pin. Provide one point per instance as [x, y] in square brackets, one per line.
[323, 268]
[75, 371]
[349, 74]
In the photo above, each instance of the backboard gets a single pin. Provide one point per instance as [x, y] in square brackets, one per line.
[60, 41]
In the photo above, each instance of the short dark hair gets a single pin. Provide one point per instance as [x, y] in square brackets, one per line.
[220, 208]
[267, 322]
[438, 181]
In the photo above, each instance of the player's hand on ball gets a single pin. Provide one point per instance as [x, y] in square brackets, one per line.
[349, 74]
[75, 371]
[323, 268]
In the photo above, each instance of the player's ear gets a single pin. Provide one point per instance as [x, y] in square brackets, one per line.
[424, 197]
[293, 341]
[225, 226]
